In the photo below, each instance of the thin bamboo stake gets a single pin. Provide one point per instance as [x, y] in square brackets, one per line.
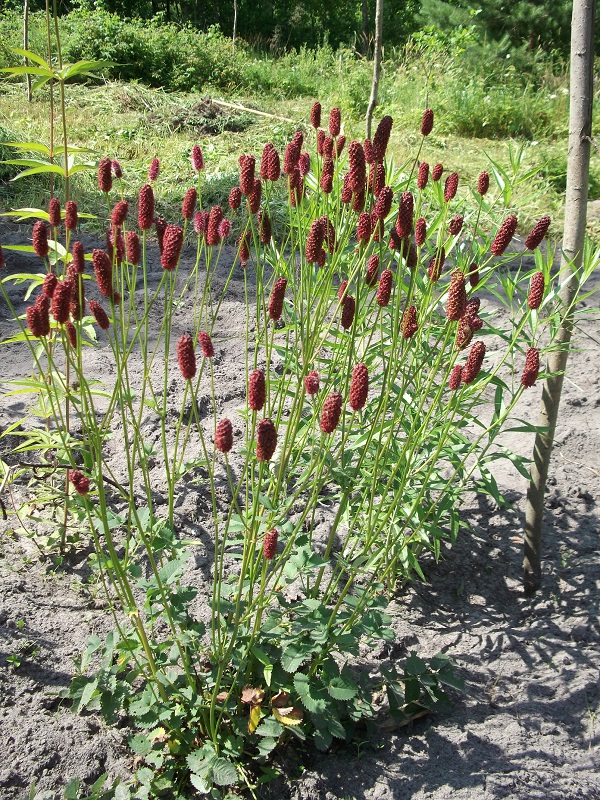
[578, 163]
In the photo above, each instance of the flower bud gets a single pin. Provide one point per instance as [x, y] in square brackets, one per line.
[42, 305]
[244, 248]
[358, 200]
[423, 175]
[311, 382]
[384, 290]
[368, 148]
[197, 158]
[34, 322]
[254, 197]
[172, 244]
[256, 389]
[436, 172]
[206, 344]
[348, 309]
[358, 167]
[536, 291]
[420, 232]
[427, 122]
[404, 221]
[410, 323]
[247, 167]
[105, 175]
[276, 299]
[200, 222]
[372, 276]
[116, 169]
[363, 227]
[270, 544]
[455, 225]
[72, 334]
[54, 212]
[504, 235]
[335, 122]
[473, 275]
[186, 358]
[49, 285]
[314, 241]
[379, 180]
[266, 440]
[99, 314]
[450, 187]
[103, 272]
[532, 367]
[359, 387]
[71, 217]
[315, 115]
[539, 231]
[382, 138]
[342, 290]
[291, 156]
[457, 296]
[119, 213]
[329, 233]
[483, 183]
[153, 170]
[224, 436]
[213, 237]
[346, 193]
[455, 377]
[235, 198]
[61, 300]
[189, 203]
[133, 248]
[326, 179]
[321, 136]
[304, 164]
[474, 361]
[81, 484]
[39, 237]
[274, 166]
[146, 207]
[383, 204]
[330, 412]
[224, 228]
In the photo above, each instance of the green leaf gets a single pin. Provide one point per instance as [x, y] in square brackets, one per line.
[28, 71]
[294, 655]
[342, 688]
[40, 171]
[270, 727]
[266, 745]
[224, 772]
[312, 696]
[37, 59]
[83, 68]
[199, 783]
[87, 694]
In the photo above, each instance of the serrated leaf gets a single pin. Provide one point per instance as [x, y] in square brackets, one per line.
[269, 727]
[341, 690]
[224, 772]
[200, 784]
[312, 697]
[266, 746]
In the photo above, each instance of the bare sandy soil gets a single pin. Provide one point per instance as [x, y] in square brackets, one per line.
[528, 724]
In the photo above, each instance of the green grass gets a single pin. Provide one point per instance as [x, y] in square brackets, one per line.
[485, 104]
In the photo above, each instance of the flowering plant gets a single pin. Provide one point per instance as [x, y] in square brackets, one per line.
[365, 416]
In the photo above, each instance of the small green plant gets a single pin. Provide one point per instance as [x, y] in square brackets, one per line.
[370, 399]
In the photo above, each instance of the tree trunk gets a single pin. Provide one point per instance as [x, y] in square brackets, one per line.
[376, 64]
[235, 9]
[580, 124]
[26, 44]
